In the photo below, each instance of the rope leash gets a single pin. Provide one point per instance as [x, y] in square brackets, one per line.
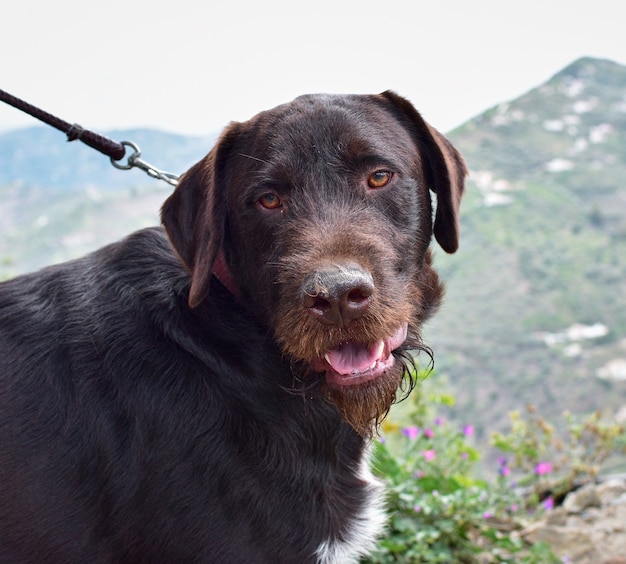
[113, 149]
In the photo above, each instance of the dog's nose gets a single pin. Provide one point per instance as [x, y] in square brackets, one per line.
[338, 295]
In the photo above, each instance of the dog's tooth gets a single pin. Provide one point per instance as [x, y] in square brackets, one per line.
[327, 358]
[381, 348]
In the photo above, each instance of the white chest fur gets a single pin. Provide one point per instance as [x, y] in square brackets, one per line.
[359, 537]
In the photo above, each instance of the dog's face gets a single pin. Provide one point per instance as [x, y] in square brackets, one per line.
[321, 209]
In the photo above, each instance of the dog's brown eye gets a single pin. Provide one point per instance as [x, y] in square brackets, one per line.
[270, 201]
[379, 179]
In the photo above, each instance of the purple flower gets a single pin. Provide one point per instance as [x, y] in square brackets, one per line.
[543, 468]
[411, 432]
[417, 508]
[504, 471]
[548, 503]
[429, 454]
[468, 430]
[439, 421]
[429, 433]
[487, 514]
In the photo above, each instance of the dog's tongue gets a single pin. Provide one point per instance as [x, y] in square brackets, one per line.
[352, 362]
[349, 358]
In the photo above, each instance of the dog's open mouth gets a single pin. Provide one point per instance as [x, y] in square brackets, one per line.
[353, 363]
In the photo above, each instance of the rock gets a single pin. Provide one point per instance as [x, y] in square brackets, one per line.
[566, 542]
[557, 517]
[592, 515]
[586, 533]
[621, 500]
[611, 491]
[579, 500]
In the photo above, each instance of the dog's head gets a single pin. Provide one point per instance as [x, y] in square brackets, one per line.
[318, 216]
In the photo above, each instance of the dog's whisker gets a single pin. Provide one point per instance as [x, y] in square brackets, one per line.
[253, 158]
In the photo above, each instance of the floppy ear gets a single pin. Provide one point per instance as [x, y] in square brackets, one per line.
[444, 169]
[194, 216]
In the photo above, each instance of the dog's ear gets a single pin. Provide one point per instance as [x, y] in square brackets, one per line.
[194, 215]
[444, 169]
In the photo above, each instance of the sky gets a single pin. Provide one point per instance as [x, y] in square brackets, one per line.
[189, 66]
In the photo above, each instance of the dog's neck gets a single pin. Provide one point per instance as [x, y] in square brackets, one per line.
[222, 272]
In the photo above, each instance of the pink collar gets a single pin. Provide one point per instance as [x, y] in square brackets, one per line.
[222, 272]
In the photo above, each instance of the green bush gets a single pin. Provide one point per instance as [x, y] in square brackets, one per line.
[551, 461]
[439, 512]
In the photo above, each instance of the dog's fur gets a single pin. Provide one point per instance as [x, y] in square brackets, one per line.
[202, 395]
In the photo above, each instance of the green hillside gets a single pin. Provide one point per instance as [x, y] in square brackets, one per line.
[543, 250]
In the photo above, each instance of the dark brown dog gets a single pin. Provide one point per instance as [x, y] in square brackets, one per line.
[209, 397]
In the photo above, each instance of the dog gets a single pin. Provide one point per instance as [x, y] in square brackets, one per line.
[207, 391]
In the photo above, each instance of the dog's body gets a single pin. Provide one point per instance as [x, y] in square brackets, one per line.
[207, 396]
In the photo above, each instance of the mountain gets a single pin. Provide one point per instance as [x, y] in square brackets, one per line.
[536, 296]
[536, 301]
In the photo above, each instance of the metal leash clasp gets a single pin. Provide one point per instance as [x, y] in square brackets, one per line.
[134, 161]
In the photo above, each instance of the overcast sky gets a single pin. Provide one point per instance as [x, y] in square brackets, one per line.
[193, 66]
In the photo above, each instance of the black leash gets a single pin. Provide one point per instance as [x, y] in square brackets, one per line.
[113, 149]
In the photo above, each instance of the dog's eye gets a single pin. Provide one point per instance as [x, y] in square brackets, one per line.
[379, 179]
[270, 201]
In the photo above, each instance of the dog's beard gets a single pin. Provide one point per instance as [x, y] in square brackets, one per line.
[364, 406]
